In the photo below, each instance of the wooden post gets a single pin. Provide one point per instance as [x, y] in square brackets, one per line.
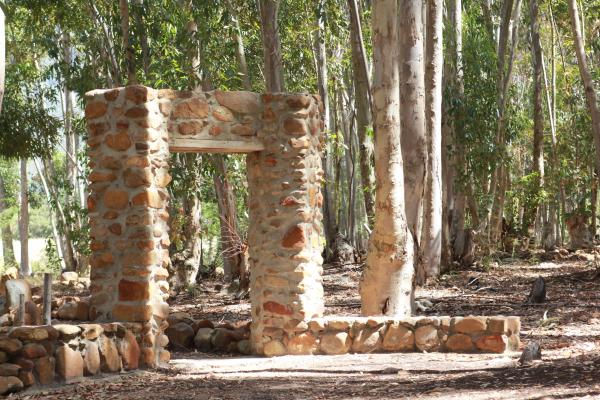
[21, 311]
[47, 298]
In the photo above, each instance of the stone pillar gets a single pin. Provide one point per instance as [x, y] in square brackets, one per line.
[285, 234]
[129, 155]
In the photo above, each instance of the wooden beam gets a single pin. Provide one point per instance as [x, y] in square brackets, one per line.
[191, 145]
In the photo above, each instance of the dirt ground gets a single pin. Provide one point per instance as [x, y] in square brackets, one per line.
[567, 325]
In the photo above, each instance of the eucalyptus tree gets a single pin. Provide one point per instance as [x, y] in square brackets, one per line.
[386, 285]
[586, 77]
[412, 111]
[431, 249]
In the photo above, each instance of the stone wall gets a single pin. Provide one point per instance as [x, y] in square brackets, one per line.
[44, 355]
[340, 335]
[131, 131]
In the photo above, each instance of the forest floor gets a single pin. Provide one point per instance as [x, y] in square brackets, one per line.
[567, 325]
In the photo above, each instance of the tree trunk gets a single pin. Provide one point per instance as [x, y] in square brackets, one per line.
[58, 240]
[25, 268]
[538, 119]
[271, 45]
[240, 53]
[363, 108]
[8, 252]
[68, 252]
[494, 211]
[138, 13]
[412, 112]
[432, 214]
[586, 77]
[127, 46]
[387, 282]
[110, 46]
[329, 220]
[2, 55]
[231, 241]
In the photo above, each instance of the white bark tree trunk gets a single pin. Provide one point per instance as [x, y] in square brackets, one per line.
[363, 108]
[388, 278]
[586, 77]
[432, 216]
[25, 268]
[240, 53]
[412, 111]
[538, 113]
[127, 47]
[271, 45]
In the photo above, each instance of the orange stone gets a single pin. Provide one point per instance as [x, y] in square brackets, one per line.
[215, 130]
[110, 215]
[111, 95]
[294, 238]
[294, 126]
[137, 177]
[95, 109]
[193, 108]
[290, 201]
[298, 101]
[136, 112]
[95, 245]
[243, 130]
[91, 204]
[138, 161]
[239, 101]
[121, 141]
[127, 313]
[190, 128]
[115, 229]
[102, 177]
[138, 94]
[492, 343]
[222, 114]
[116, 199]
[133, 291]
[150, 198]
[165, 108]
[277, 308]
[97, 128]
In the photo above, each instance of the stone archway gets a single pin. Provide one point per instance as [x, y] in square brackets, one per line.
[132, 131]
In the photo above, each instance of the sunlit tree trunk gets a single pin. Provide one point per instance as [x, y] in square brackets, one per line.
[586, 77]
[431, 247]
[240, 53]
[495, 210]
[388, 278]
[127, 46]
[25, 268]
[8, 252]
[101, 24]
[271, 45]
[231, 240]
[538, 117]
[47, 175]
[412, 111]
[363, 107]
[2, 55]
[329, 219]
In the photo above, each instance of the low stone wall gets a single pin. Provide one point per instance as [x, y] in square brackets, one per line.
[42, 355]
[341, 335]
